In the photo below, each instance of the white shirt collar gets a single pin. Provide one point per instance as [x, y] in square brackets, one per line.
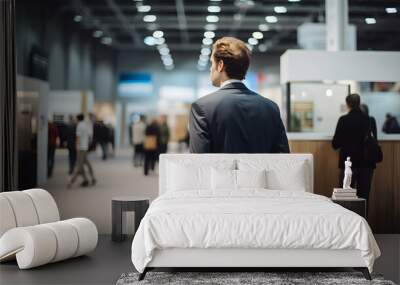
[229, 81]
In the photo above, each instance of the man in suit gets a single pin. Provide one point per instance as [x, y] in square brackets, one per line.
[349, 138]
[234, 119]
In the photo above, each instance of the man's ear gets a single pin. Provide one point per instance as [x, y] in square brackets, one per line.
[220, 66]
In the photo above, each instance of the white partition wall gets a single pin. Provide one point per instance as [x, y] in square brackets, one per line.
[307, 65]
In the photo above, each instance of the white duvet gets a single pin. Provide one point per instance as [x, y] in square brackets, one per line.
[250, 219]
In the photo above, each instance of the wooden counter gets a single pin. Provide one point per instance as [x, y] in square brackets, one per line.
[384, 199]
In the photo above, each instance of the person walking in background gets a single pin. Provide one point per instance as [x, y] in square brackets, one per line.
[102, 138]
[82, 144]
[111, 138]
[138, 136]
[391, 126]
[51, 147]
[349, 138]
[71, 143]
[151, 145]
[93, 128]
[234, 119]
[164, 135]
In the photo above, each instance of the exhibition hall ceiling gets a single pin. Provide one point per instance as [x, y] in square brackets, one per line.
[192, 24]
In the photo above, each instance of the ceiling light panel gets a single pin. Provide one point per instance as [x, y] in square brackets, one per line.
[209, 34]
[212, 19]
[271, 19]
[370, 21]
[149, 18]
[280, 9]
[391, 10]
[143, 8]
[214, 9]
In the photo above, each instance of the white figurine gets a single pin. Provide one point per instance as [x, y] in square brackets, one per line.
[347, 174]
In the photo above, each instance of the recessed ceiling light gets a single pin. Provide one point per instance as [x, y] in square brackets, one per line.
[164, 51]
[106, 40]
[152, 26]
[209, 34]
[166, 57]
[162, 46]
[207, 41]
[262, 47]
[150, 18]
[158, 34]
[210, 27]
[143, 8]
[391, 10]
[160, 41]
[237, 17]
[258, 35]
[329, 92]
[370, 21]
[252, 41]
[77, 18]
[271, 19]
[294, 0]
[263, 27]
[205, 51]
[212, 18]
[215, 0]
[280, 9]
[214, 9]
[168, 61]
[202, 63]
[97, 34]
[203, 57]
[150, 41]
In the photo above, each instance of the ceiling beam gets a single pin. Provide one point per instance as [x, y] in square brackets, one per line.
[90, 20]
[180, 11]
[129, 27]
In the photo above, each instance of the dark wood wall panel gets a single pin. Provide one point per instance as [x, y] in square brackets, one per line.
[384, 206]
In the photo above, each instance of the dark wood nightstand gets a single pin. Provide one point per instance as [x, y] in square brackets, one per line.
[139, 205]
[357, 205]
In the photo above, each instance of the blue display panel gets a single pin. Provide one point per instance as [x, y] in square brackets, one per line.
[135, 85]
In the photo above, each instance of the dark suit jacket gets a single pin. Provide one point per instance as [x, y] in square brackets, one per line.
[349, 137]
[235, 119]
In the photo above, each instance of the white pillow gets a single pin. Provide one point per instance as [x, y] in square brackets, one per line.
[283, 174]
[223, 179]
[295, 180]
[183, 178]
[186, 174]
[251, 179]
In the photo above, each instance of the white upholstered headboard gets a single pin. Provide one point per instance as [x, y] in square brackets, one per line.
[209, 158]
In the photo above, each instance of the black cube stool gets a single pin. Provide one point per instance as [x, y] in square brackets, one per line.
[121, 204]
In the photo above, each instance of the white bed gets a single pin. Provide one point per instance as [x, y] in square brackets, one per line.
[203, 220]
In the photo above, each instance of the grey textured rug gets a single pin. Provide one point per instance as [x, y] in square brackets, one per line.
[231, 278]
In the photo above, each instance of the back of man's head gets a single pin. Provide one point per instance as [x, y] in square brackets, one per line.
[235, 55]
[353, 101]
[80, 117]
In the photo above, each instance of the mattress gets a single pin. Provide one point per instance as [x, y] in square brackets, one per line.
[251, 218]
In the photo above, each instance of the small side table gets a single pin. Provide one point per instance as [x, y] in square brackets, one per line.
[125, 204]
[357, 205]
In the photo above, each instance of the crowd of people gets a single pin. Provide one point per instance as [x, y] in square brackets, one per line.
[149, 140]
[79, 136]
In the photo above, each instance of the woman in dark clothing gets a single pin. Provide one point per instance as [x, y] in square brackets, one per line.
[372, 122]
[350, 134]
[151, 145]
